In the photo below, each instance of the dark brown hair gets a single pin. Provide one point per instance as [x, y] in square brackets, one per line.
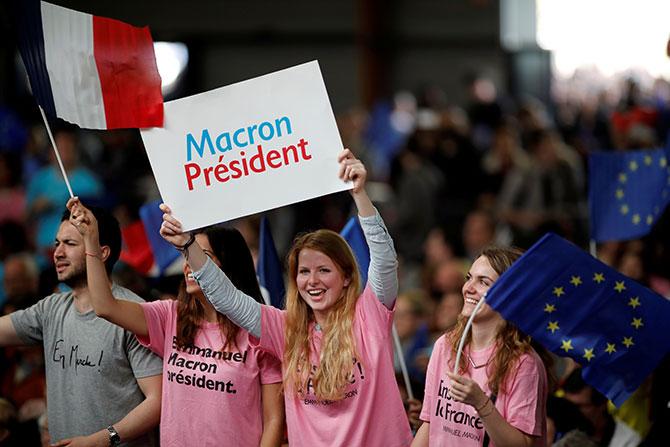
[232, 252]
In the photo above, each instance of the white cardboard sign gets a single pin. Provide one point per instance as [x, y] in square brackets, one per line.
[247, 147]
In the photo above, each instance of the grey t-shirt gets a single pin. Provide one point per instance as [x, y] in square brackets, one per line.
[91, 365]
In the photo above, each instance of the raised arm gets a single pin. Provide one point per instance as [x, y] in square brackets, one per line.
[383, 270]
[243, 310]
[129, 315]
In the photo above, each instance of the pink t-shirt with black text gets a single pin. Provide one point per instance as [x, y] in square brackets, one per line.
[210, 397]
[371, 413]
[452, 423]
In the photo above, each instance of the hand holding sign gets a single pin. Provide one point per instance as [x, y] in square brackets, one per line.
[352, 169]
[171, 228]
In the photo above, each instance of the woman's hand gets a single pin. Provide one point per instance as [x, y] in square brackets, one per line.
[352, 169]
[84, 221]
[464, 389]
[171, 229]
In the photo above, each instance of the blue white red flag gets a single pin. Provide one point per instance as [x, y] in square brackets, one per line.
[96, 72]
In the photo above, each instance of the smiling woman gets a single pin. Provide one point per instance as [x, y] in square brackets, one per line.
[339, 382]
[499, 394]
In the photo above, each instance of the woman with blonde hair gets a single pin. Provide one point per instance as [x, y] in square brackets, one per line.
[216, 388]
[499, 394]
[335, 343]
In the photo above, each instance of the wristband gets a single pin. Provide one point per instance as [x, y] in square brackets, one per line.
[189, 242]
[482, 407]
[493, 407]
[114, 438]
[93, 255]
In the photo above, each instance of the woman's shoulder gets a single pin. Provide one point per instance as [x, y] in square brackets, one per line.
[529, 363]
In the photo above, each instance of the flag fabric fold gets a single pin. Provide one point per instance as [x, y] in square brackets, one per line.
[96, 72]
[628, 192]
[269, 268]
[576, 306]
[353, 234]
[164, 253]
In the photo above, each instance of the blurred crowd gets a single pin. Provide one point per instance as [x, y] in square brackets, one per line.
[449, 180]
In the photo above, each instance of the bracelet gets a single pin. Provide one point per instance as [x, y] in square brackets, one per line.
[189, 242]
[493, 407]
[93, 255]
[482, 407]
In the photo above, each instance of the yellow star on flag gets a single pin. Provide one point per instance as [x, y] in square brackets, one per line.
[599, 277]
[636, 323]
[620, 286]
[624, 209]
[566, 345]
[663, 162]
[622, 178]
[628, 342]
[636, 219]
[549, 308]
[611, 347]
[647, 160]
[588, 354]
[619, 194]
[633, 165]
[634, 302]
[650, 219]
[553, 326]
[558, 291]
[576, 281]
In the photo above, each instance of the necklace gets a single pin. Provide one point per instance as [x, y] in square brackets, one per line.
[472, 362]
[317, 327]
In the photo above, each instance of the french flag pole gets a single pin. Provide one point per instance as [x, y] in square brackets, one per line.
[92, 71]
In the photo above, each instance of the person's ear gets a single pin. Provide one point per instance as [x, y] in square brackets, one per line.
[105, 251]
[347, 281]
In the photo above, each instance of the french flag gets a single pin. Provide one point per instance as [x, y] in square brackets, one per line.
[96, 72]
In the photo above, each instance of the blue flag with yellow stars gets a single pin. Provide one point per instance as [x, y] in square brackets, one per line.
[353, 234]
[628, 191]
[269, 268]
[578, 307]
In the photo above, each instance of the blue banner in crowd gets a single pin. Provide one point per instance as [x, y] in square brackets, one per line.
[576, 306]
[353, 234]
[152, 218]
[628, 192]
[269, 268]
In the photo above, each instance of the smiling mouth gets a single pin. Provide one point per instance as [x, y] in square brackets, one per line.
[471, 301]
[316, 293]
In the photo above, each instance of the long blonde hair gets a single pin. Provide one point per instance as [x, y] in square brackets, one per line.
[338, 348]
[511, 343]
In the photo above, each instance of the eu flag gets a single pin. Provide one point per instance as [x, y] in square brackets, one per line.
[353, 234]
[628, 191]
[577, 306]
[269, 268]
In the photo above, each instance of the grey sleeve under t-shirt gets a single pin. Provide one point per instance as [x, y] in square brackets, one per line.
[246, 312]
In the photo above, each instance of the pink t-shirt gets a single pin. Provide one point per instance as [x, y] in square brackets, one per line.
[371, 413]
[210, 397]
[523, 405]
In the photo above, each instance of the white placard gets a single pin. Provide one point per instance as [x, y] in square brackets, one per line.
[247, 147]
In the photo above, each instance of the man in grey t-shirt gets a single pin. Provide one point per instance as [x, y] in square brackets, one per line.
[103, 388]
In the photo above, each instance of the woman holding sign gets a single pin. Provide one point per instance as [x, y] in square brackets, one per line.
[335, 343]
[499, 395]
[216, 388]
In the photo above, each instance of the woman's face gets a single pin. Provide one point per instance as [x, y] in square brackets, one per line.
[191, 285]
[320, 283]
[478, 281]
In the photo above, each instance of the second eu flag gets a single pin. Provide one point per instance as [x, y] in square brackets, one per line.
[628, 191]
